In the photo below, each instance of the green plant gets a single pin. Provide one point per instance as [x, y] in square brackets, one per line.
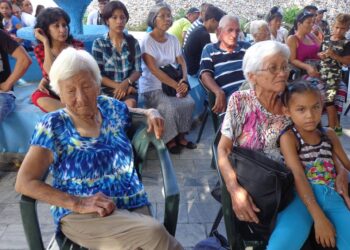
[180, 14]
[289, 14]
[244, 24]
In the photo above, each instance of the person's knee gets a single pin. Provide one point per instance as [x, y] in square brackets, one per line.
[156, 229]
[161, 238]
[7, 105]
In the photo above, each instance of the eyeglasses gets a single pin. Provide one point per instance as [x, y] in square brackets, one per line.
[275, 70]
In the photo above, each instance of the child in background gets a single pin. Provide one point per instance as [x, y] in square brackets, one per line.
[335, 53]
[312, 153]
[10, 22]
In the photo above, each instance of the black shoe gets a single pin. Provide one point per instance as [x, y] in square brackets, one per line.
[175, 150]
[189, 145]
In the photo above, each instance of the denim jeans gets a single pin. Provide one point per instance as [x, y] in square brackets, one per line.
[7, 104]
[294, 223]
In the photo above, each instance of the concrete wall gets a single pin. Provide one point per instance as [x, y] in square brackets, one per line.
[247, 9]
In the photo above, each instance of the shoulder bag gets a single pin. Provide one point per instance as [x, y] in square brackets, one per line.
[269, 183]
[174, 73]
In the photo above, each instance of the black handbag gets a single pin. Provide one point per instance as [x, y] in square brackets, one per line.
[269, 183]
[174, 73]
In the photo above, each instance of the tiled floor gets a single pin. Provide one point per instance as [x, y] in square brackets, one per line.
[195, 177]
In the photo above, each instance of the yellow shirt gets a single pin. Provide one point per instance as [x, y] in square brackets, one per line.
[178, 27]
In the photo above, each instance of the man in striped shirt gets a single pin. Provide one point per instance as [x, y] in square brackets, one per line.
[221, 63]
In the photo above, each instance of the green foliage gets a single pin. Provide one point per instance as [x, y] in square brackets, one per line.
[289, 14]
[244, 24]
[179, 14]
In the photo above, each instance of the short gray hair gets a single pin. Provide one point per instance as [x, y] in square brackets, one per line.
[71, 62]
[255, 55]
[155, 9]
[226, 19]
[256, 25]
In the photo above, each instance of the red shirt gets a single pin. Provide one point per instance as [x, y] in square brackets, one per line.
[40, 54]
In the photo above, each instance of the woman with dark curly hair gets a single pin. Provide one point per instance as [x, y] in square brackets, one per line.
[52, 33]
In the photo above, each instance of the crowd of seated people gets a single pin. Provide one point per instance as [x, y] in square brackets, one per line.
[125, 71]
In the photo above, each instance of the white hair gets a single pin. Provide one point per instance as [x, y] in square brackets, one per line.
[256, 25]
[226, 19]
[71, 62]
[255, 55]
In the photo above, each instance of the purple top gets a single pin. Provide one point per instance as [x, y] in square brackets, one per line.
[307, 51]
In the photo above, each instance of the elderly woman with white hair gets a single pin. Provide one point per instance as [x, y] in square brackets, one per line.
[158, 49]
[259, 29]
[254, 119]
[86, 148]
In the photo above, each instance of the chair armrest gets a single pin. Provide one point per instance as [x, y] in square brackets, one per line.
[141, 141]
[28, 209]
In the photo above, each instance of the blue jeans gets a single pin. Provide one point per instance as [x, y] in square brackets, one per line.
[294, 223]
[7, 105]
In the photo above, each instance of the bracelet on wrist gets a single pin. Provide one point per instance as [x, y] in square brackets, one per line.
[130, 82]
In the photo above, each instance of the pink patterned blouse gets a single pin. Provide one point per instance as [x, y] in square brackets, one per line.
[248, 124]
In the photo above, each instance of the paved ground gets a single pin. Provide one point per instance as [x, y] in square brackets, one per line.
[195, 177]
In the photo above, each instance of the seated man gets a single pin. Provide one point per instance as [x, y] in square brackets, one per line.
[199, 37]
[95, 16]
[7, 79]
[197, 22]
[221, 63]
[180, 26]
[97, 199]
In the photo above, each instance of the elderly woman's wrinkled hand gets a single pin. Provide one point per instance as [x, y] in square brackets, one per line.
[155, 122]
[98, 203]
[243, 205]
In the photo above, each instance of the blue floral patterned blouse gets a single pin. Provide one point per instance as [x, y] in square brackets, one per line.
[83, 166]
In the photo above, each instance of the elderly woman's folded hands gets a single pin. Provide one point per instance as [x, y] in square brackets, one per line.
[98, 203]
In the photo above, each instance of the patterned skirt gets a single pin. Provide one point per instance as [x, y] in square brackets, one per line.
[177, 112]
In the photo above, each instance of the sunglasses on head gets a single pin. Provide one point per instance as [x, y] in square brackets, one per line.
[304, 15]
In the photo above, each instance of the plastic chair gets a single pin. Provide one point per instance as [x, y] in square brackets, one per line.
[141, 140]
[210, 102]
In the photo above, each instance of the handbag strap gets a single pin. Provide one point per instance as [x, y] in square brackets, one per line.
[278, 200]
